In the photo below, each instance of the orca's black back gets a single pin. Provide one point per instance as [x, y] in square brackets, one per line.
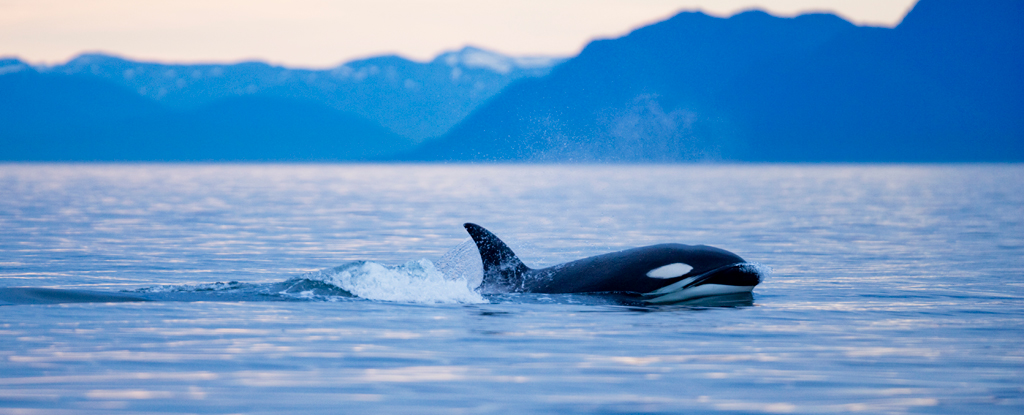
[626, 271]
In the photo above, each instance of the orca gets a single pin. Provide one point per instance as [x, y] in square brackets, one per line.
[660, 274]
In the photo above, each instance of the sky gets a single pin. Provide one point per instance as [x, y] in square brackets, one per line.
[324, 33]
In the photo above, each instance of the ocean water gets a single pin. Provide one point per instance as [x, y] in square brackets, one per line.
[348, 289]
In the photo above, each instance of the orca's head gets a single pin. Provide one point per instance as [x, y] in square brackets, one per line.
[685, 266]
[698, 271]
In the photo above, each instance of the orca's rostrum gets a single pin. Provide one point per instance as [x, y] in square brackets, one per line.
[665, 273]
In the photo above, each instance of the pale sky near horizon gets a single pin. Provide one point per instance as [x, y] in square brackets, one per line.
[324, 33]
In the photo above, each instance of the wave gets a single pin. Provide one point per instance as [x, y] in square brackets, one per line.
[417, 282]
[453, 280]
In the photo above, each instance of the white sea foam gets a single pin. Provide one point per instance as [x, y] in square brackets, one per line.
[412, 282]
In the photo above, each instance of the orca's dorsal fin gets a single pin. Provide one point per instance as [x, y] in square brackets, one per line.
[503, 271]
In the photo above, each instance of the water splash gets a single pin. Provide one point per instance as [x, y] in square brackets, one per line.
[413, 282]
[463, 261]
[763, 271]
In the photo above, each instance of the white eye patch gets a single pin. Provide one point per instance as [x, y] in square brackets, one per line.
[669, 271]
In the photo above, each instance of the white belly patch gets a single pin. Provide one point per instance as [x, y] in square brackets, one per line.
[706, 290]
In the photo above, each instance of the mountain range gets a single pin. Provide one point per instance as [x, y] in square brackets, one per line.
[946, 84]
[98, 107]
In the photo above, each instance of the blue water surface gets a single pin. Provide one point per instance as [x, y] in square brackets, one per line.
[896, 289]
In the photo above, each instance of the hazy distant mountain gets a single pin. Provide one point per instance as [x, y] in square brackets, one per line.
[947, 84]
[99, 107]
[413, 99]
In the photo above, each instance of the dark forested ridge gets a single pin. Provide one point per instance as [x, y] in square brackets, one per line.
[947, 84]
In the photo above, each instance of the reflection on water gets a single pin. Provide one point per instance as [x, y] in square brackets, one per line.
[897, 289]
